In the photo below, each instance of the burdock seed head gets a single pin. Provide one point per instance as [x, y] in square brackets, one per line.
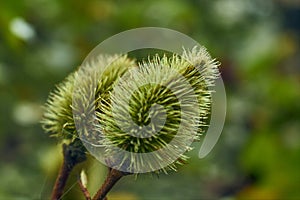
[146, 116]
[163, 103]
[58, 115]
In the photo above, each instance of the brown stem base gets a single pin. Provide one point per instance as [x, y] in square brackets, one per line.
[84, 190]
[72, 155]
[61, 180]
[112, 178]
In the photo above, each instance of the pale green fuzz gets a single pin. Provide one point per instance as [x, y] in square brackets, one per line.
[123, 115]
[58, 116]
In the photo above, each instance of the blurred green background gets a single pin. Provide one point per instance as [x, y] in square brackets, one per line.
[257, 42]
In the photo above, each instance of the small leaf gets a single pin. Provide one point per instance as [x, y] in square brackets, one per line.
[83, 178]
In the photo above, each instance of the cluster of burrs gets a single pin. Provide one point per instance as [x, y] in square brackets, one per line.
[140, 114]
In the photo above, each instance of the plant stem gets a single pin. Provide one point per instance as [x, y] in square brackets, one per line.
[111, 179]
[84, 190]
[72, 155]
[61, 180]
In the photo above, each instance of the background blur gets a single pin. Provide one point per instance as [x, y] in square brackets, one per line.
[257, 41]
